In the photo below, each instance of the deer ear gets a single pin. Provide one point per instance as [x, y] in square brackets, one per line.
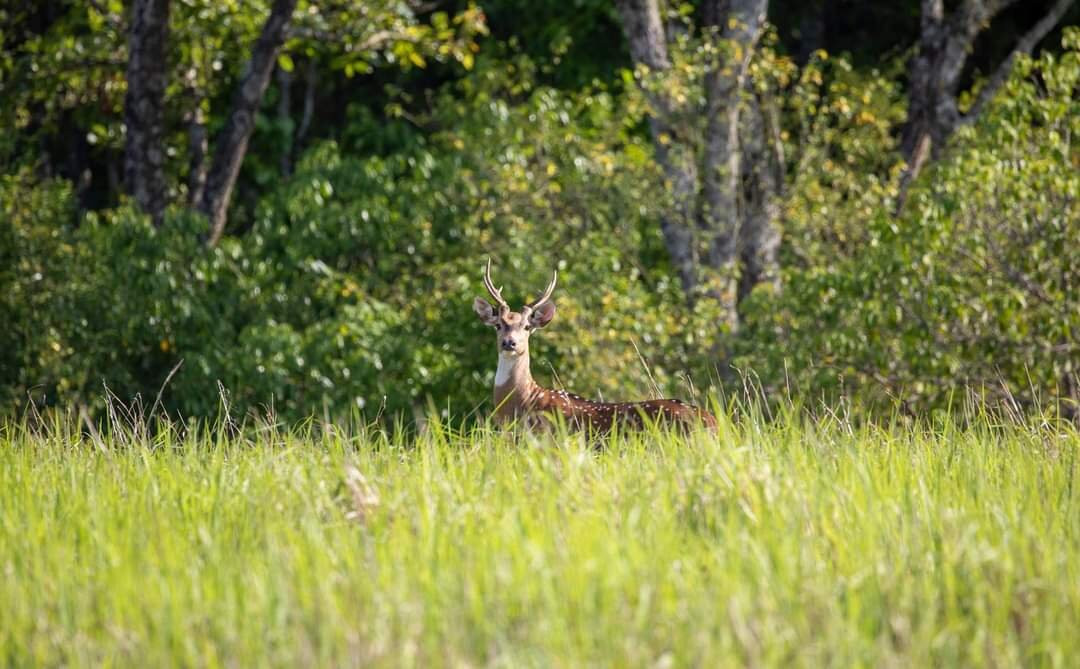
[485, 311]
[543, 315]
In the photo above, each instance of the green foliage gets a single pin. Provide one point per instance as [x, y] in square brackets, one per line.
[352, 287]
[838, 138]
[974, 286]
[536, 179]
[62, 67]
[793, 541]
[349, 287]
[74, 67]
[573, 43]
[35, 266]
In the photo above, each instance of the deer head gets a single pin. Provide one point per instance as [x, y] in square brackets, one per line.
[512, 328]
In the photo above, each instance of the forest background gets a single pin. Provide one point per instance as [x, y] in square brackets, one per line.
[285, 205]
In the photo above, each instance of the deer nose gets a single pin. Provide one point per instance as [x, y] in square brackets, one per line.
[509, 344]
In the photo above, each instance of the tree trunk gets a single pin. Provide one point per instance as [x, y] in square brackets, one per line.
[231, 143]
[932, 113]
[144, 106]
[648, 47]
[763, 185]
[720, 208]
[715, 213]
[935, 72]
[739, 24]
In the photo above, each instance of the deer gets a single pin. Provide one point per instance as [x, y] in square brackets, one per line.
[518, 397]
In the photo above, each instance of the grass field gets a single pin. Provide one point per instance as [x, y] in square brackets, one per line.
[773, 543]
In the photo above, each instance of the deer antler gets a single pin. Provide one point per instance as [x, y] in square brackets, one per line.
[495, 294]
[545, 297]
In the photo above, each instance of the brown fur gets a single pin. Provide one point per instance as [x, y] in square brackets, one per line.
[580, 413]
[517, 396]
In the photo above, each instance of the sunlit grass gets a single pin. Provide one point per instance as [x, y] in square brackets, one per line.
[793, 541]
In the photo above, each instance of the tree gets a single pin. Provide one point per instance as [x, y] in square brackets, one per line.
[649, 50]
[740, 23]
[352, 34]
[147, 77]
[144, 106]
[701, 228]
[232, 142]
[945, 46]
[763, 191]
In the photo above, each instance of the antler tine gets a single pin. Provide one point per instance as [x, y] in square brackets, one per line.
[547, 292]
[495, 294]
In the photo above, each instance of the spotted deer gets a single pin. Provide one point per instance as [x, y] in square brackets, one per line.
[517, 396]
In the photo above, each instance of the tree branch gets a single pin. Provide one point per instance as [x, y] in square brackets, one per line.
[1025, 45]
[233, 139]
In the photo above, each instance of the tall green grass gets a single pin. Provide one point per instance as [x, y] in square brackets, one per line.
[795, 541]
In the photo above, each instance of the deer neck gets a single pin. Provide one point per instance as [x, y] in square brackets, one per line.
[514, 385]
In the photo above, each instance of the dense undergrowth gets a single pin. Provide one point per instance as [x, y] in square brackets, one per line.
[350, 284]
[795, 540]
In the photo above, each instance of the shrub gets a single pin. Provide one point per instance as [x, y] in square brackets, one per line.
[976, 285]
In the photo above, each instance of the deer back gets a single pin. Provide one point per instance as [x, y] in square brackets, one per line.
[581, 413]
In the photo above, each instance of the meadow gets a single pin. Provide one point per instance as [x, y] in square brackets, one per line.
[782, 541]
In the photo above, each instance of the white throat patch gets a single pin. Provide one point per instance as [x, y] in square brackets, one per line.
[505, 369]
